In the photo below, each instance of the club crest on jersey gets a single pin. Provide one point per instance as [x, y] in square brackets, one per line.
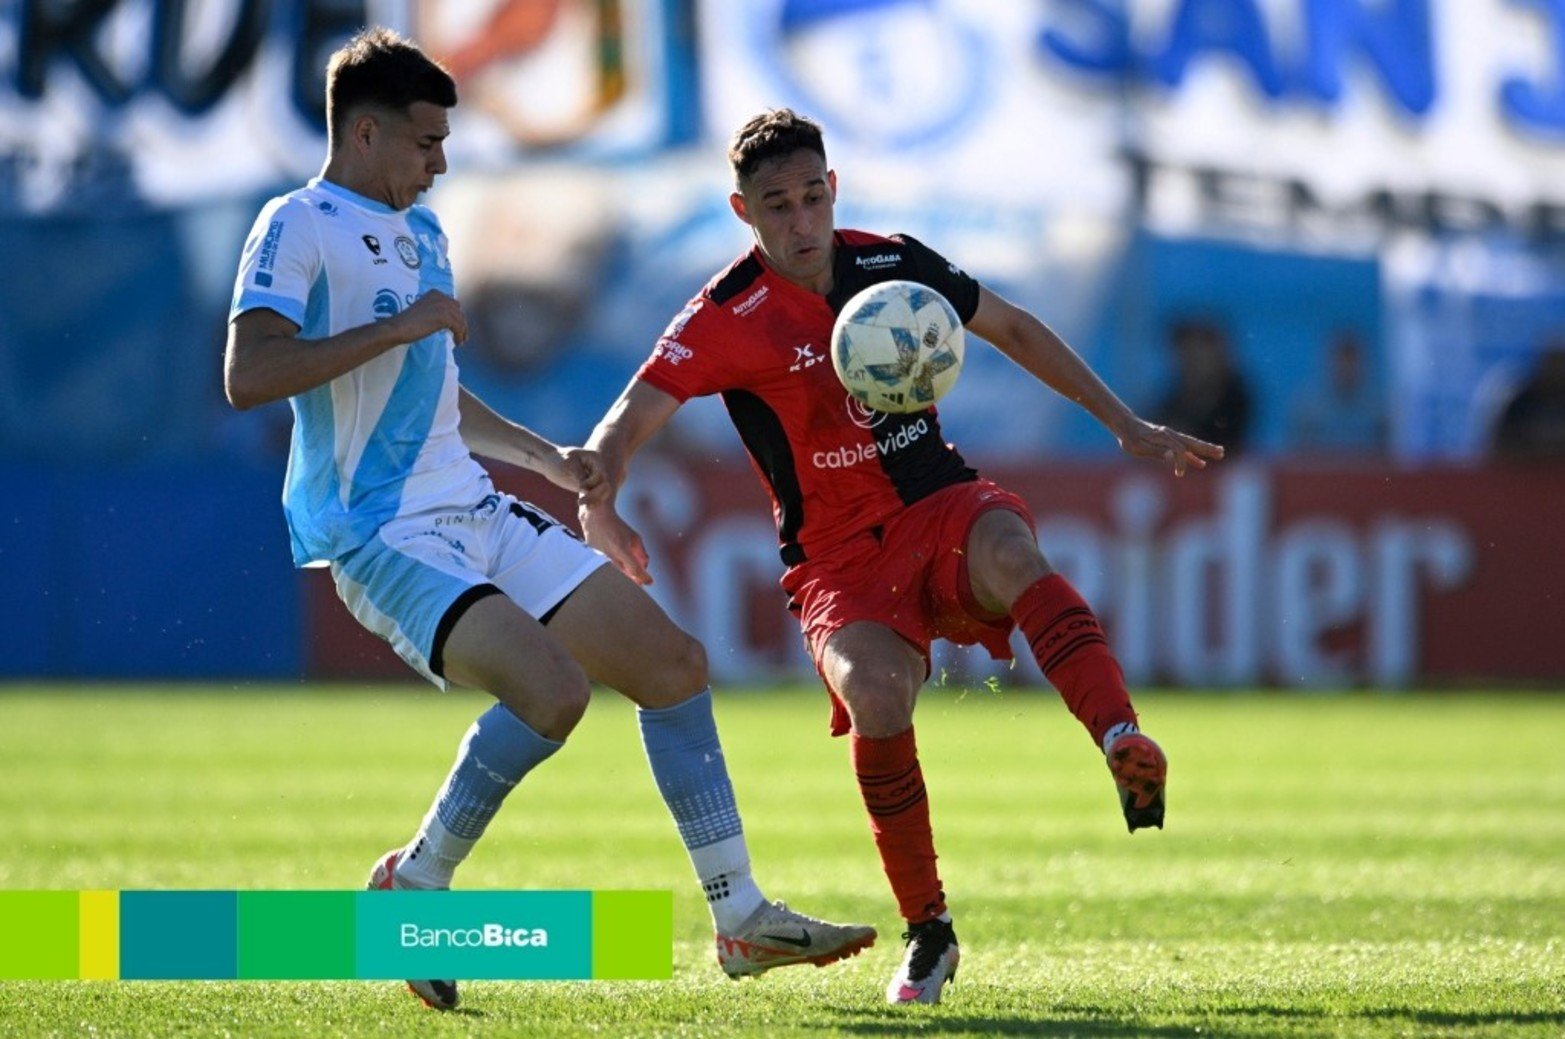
[407, 251]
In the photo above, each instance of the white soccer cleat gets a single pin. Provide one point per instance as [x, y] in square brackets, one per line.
[438, 995]
[776, 936]
[932, 956]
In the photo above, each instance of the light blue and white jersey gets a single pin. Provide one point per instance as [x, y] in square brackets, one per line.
[382, 440]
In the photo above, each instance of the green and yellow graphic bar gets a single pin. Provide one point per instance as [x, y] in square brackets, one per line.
[336, 935]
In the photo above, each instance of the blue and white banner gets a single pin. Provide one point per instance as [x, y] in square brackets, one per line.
[177, 102]
[1440, 113]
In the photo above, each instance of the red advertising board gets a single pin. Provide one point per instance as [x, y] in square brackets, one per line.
[1244, 575]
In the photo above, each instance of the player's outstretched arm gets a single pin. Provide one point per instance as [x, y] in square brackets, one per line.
[486, 433]
[629, 423]
[266, 361]
[1039, 351]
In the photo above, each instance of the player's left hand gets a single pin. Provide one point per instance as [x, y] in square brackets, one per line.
[1179, 450]
[580, 470]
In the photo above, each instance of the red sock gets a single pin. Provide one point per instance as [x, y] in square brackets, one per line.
[893, 789]
[1068, 643]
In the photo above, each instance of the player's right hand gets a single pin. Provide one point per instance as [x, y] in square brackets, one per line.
[604, 530]
[430, 313]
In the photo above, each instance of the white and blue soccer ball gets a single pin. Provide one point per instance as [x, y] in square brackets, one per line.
[897, 346]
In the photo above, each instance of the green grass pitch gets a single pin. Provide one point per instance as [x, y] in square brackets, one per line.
[1334, 865]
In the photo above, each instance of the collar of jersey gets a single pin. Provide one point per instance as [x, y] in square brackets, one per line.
[799, 291]
[322, 184]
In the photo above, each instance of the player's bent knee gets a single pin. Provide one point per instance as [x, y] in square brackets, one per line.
[688, 664]
[1004, 567]
[879, 701]
[678, 674]
[549, 692]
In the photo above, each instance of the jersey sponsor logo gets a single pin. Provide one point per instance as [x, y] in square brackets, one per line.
[878, 262]
[805, 357]
[373, 245]
[268, 258]
[387, 304]
[329, 208]
[863, 416]
[407, 251]
[681, 319]
[849, 455]
[751, 301]
[673, 352]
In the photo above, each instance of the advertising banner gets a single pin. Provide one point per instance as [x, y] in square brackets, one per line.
[178, 103]
[1344, 115]
[1238, 577]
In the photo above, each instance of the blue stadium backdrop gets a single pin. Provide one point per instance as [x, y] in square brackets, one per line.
[1295, 174]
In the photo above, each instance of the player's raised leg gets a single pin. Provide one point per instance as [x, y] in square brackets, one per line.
[877, 674]
[625, 641]
[491, 644]
[1010, 574]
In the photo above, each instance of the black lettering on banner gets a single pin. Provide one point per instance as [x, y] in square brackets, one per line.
[323, 26]
[51, 30]
[195, 91]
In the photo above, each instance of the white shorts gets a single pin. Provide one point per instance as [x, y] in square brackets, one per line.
[411, 582]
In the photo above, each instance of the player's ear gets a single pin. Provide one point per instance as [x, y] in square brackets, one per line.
[363, 130]
[831, 182]
[737, 204]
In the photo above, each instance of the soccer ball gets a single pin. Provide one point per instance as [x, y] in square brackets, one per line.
[897, 346]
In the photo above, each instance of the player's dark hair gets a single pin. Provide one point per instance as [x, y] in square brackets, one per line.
[772, 135]
[378, 67]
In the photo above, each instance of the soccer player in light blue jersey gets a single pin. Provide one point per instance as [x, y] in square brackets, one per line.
[345, 305]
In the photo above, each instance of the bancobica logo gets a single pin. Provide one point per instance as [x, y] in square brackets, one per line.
[751, 301]
[878, 262]
[488, 936]
[852, 454]
[673, 351]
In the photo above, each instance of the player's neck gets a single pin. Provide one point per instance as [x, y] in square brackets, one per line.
[344, 175]
[819, 283]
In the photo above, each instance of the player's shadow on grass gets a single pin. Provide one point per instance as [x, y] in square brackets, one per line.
[1237, 1021]
[926, 1021]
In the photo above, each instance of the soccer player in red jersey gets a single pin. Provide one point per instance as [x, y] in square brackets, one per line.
[889, 537]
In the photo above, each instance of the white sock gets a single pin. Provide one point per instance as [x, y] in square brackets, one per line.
[1116, 732]
[731, 892]
[431, 857]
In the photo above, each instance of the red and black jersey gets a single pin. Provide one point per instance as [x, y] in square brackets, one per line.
[833, 466]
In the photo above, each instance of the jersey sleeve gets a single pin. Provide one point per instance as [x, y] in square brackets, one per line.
[280, 262]
[685, 362]
[940, 274]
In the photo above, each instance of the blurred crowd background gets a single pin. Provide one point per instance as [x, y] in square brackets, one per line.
[1329, 234]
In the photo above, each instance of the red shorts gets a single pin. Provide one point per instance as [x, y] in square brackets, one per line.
[910, 574]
